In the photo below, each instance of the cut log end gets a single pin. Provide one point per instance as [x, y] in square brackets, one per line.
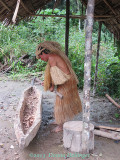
[72, 136]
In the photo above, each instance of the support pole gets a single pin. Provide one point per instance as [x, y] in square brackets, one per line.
[16, 12]
[97, 58]
[67, 26]
[87, 78]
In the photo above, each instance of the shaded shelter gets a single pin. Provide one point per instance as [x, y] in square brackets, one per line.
[106, 11]
[109, 14]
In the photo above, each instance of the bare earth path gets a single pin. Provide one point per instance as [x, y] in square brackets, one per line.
[47, 145]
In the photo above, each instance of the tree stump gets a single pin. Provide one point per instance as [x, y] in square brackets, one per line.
[72, 136]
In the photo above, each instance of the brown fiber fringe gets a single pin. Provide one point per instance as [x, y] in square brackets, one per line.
[66, 108]
[47, 78]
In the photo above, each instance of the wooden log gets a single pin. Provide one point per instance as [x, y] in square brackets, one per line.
[108, 134]
[72, 136]
[111, 100]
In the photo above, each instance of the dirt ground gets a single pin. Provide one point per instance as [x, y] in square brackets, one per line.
[47, 145]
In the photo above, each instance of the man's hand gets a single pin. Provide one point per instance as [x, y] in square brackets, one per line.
[51, 89]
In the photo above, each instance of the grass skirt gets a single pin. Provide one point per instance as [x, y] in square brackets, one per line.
[66, 108]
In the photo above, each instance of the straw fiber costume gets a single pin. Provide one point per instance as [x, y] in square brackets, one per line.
[70, 105]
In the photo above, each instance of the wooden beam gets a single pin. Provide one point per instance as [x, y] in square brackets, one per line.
[108, 127]
[3, 3]
[67, 26]
[2, 10]
[73, 16]
[115, 18]
[98, 2]
[26, 8]
[106, 2]
[112, 7]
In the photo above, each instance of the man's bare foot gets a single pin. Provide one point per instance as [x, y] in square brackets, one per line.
[57, 129]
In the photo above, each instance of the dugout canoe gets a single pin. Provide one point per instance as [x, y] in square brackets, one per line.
[28, 116]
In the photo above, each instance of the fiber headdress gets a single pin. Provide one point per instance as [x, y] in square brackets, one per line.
[55, 48]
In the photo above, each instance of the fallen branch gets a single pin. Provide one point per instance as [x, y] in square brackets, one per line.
[8, 69]
[3, 66]
[111, 100]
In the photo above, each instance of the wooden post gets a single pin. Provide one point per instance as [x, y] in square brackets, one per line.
[82, 15]
[87, 78]
[67, 26]
[78, 8]
[97, 58]
[114, 41]
[16, 11]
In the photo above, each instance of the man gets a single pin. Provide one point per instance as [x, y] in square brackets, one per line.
[59, 73]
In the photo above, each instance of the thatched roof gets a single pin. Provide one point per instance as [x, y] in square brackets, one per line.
[107, 11]
[26, 9]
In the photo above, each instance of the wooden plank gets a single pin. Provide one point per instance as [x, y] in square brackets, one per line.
[108, 127]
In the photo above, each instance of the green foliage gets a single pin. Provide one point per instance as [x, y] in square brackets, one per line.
[76, 53]
[117, 115]
[109, 71]
[113, 78]
[117, 54]
[23, 39]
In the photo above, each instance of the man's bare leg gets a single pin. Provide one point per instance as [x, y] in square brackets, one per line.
[58, 128]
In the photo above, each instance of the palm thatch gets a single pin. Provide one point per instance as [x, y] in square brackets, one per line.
[26, 9]
[108, 12]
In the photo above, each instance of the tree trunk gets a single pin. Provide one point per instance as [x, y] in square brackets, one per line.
[72, 136]
[97, 58]
[87, 78]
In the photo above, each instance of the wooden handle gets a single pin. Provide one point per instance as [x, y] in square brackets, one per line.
[32, 83]
[60, 95]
